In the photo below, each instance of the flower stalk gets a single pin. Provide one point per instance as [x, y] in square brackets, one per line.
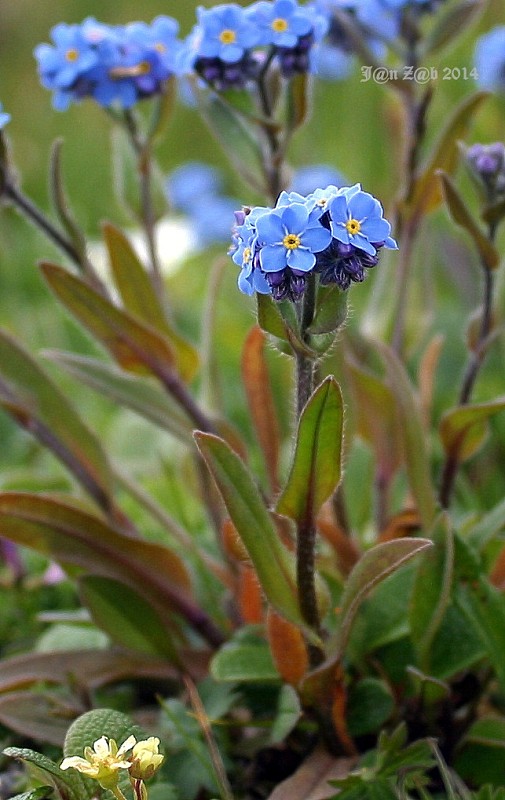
[474, 364]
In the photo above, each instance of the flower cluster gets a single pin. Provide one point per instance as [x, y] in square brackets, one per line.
[105, 759]
[230, 45]
[334, 233]
[115, 65]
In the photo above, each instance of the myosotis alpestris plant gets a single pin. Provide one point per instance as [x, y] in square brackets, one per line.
[357, 614]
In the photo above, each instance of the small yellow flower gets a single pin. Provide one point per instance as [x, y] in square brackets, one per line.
[103, 761]
[145, 759]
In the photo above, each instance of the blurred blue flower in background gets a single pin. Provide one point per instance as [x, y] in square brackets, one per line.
[4, 117]
[307, 179]
[191, 182]
[195, 189]
[114, 64]
[490, 59]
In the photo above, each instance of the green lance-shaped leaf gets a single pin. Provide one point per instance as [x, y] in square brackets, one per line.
[140, 299]
[238, 662]
[131, 391]
[297, 102]
[463, 430]
[273, 563]
[376, 417]
[31, 397]
[135, 345]
[414, 439]
[487, 527]
[372, 568]
[485, 608]
[85, 543]
[270, 318]
[68, 787]
[330, 312]
[463, 217]
[233, 134]
[432, 589]
[125, 616]
[451, 24]
[316, 467]
[427, 194]
[125, 166]
[60, 202]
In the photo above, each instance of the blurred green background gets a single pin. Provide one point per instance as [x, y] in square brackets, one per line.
[355, 126]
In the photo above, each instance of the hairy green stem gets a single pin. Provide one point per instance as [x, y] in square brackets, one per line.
[272, 165]
[474, 363]
[415, 113]
[306, 528]
[142, 150]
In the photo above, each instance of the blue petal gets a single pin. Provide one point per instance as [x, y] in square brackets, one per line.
[270, 228]
[301, 259]
[338, 209]
[295, 218]
[244, 285]
[316, 239]
[376, 230]
[231, 53]
[360, 241]
[363, 205]
[340, 234]
[391, 243]
[273, 259]
[260, 283]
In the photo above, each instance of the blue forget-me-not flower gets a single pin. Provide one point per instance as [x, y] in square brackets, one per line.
[335, 233]
[113, 64]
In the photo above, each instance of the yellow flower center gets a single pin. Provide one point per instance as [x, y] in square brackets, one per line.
[291, 241]
[160, 47]
[280, 25]
[227, 36]
[72, 54]
[353, 226]
[247, 255]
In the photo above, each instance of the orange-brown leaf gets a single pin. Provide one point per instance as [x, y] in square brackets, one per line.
[250, 596]
[261, 404]
[405, 523]
[497, 576]
[232, 543]
[287, 647]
